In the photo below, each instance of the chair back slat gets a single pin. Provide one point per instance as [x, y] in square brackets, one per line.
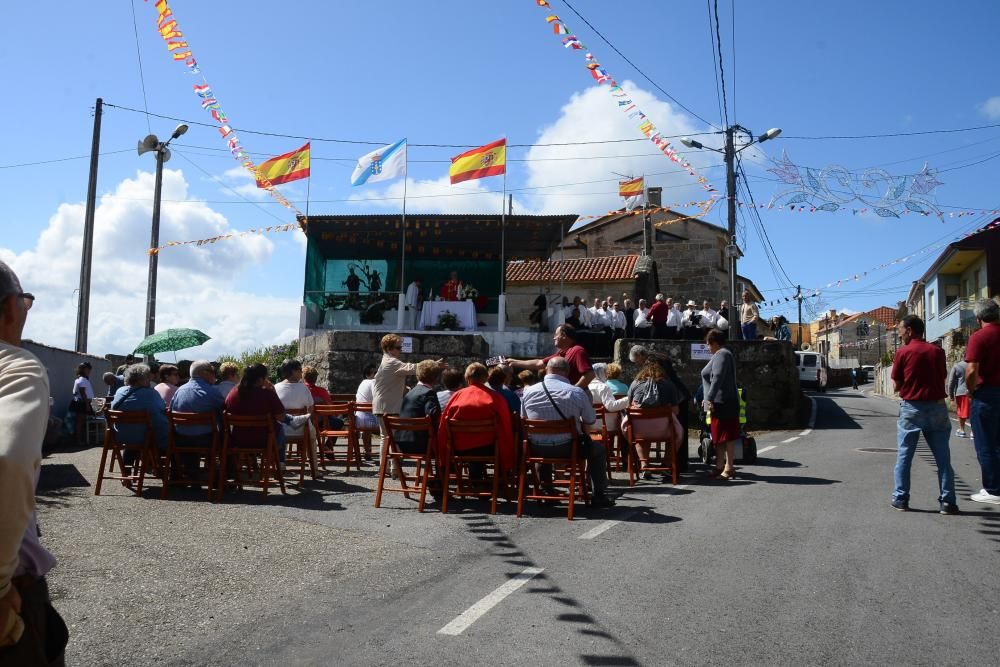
[549, 427]
[265, 422]
[416, 424]
[193, 419]
[472, 425]
[342, 398]
[650, 413]
[135, 417]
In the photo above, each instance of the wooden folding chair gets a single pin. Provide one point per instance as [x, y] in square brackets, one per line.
[659, 448]
[332, 440]
[267, 469]
[456, 462]
[176, 451]
[392, 453]
[365, 432]
[299, 449]
[573, 467]
[147, 456]
[614, 441]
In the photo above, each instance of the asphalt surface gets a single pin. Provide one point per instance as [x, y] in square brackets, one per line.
[799, 561]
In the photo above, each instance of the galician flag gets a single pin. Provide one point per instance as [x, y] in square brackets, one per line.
[382, 164]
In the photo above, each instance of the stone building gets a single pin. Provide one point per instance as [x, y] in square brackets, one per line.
[855, 340]
[688, 255]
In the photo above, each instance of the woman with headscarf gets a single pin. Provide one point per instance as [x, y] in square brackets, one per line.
[604, 395]
[722, 399]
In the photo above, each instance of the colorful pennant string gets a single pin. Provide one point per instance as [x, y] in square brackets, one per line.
[180, 51]
[624, 102]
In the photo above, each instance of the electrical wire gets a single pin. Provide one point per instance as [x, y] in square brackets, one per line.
[225, 185]
[64, 159]
[382, 143]
[722, 72]
[142, 79]
[636, 67]
[889, 134]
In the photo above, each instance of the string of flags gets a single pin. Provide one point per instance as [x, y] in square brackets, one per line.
[622, 99]
[289, 227]
[805, 208]
[181, 51]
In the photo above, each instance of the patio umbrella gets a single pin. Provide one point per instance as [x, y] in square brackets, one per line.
[171, 340]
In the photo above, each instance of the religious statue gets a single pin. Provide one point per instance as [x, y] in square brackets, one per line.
[453, 289]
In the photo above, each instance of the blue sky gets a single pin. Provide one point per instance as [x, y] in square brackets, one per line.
[467, 73]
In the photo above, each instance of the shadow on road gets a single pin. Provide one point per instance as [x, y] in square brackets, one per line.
[504, 548]
[785, 479]
[831, 416]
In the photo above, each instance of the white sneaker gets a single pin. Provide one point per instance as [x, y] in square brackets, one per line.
[298, 421]
[984, 497]
[959, 434]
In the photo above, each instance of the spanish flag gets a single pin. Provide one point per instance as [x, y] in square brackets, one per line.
[488, 160]
[285, 168]
[632, 188]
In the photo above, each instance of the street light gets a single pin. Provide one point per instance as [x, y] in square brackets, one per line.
[729, 152]
[152, 143]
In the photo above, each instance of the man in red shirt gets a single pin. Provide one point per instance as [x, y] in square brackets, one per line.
[658, 313]
[982, 377]
[320, 395]
[919, 374]
[581, 371]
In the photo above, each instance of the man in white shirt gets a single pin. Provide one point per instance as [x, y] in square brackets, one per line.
[709, 317]
[414, 301]
[295, 395]
[675, 320]
[617, 321]
[643, 327]
[595, 311]
[28, 623]
[689, 321]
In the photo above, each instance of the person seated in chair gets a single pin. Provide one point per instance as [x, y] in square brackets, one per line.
[255, 398]
[452, 379]
[421, 401]
[653, 389]
[229, 377]
[200, 395]
[555, 399]
[138, 396]
[474, 403]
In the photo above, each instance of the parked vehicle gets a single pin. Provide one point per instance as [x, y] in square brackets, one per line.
[867, 374]
[813, 369]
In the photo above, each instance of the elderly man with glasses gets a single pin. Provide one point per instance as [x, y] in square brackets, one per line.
[29, 626]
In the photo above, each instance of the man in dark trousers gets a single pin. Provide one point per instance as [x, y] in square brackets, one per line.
[919, 374]
[658, 316]
[982, 379]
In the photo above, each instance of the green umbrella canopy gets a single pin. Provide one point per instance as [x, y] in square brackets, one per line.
[171, 340]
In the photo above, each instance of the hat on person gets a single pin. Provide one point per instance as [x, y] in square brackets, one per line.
[692, 303]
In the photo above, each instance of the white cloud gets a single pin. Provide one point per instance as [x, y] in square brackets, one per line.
[991, 108]
[593, 115]
[197, 286]
[440, 196]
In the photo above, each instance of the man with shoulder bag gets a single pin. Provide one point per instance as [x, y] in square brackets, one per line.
[555, 399]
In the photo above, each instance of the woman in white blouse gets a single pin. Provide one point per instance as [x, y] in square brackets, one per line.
[365, 421]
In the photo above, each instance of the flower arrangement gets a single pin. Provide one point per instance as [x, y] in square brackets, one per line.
[447, 320]
[470, 292]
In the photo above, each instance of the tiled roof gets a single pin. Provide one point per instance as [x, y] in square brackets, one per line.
[883, 314]
[586, 270]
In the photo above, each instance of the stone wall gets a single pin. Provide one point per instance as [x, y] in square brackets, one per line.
[765, 369]
[61, 366]
[340, 356]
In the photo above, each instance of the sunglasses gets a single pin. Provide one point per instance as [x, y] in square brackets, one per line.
[28, 298]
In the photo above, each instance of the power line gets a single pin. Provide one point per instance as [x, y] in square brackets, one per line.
[722, 72]
[890, 134]
[636, 67]
[225, 185]
[64, 159]
[382, 143]
[142, 79]
[715, 64]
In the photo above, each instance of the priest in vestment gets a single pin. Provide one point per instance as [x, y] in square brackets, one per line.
[453, 288]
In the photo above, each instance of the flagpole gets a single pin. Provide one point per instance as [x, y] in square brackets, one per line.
[400, 318]
[502, 300]
[308, 183]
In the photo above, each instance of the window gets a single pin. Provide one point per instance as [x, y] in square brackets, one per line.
[931, 304]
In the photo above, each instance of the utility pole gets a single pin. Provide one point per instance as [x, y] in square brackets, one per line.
[732, 250]
[798, 297]
[83, 309]
[154, 243]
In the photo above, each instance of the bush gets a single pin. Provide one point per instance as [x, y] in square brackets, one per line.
[269, 356]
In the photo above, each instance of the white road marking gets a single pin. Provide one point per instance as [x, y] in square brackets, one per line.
[766, 449]
[476, 611]
[604, 526]
[812, 417]
[792, 439]
[598, 529]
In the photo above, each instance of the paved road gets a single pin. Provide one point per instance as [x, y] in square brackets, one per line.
[800, 561]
